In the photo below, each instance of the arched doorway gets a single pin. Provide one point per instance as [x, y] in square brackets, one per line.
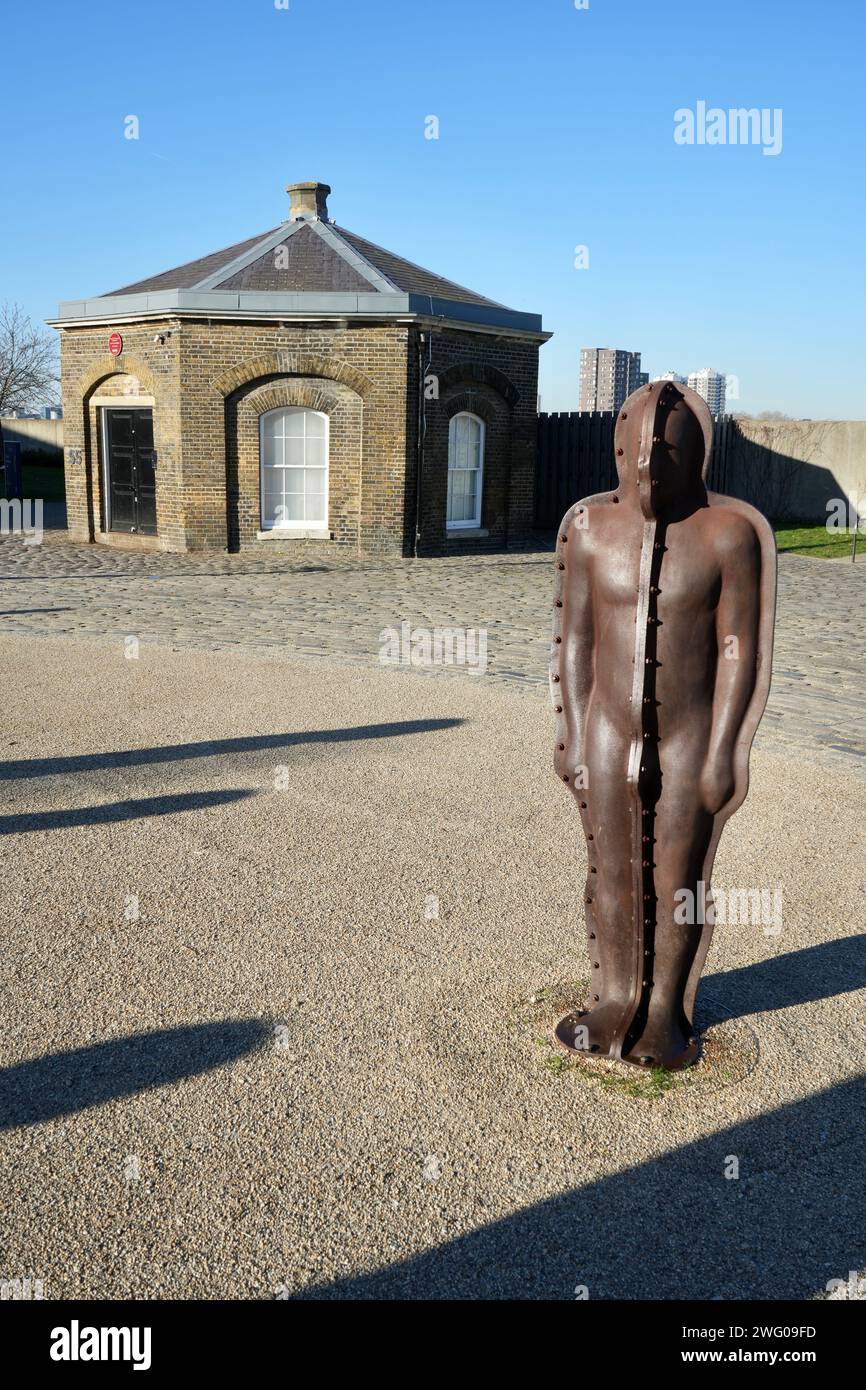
[129, 470]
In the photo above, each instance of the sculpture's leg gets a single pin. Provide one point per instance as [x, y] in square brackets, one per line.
[604, 813]
[661, 1034]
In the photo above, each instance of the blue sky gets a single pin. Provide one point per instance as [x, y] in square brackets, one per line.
[556, 130]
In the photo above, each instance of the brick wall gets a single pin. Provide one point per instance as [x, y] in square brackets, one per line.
[145, 368]
[219, 365]
[495, 378]
[244, 411]
[210, 383]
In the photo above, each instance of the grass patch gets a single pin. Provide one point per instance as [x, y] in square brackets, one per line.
[817, 541]
[729, 1051]
[555, 1063]
[651, 1084]
[541, 1009]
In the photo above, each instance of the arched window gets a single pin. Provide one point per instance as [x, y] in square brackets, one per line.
[465, 470]
[294, 466]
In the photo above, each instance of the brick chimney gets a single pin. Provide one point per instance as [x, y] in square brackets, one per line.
[308, 202]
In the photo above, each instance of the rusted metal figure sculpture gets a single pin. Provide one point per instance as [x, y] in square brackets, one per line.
[660, 670]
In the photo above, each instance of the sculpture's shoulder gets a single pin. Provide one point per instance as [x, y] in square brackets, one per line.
[585, 519]
[734, 527]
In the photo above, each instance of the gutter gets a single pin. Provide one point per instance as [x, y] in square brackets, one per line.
[336, 320]
[421, 433]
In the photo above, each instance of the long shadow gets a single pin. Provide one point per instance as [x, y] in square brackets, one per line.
[65, 1082]
[170, 752]
[798, 977]
[673, 1228]
[14, 612]
[119, 810]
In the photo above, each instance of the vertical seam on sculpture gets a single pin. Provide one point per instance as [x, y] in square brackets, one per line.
[644, 482]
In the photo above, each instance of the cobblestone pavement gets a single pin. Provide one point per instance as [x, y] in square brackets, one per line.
[339, 609]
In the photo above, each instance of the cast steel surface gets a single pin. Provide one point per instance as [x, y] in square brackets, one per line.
[660, 670]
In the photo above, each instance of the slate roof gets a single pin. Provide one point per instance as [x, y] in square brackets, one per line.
[185, 277]
[306, 268]
[311, 261]
[409, 277]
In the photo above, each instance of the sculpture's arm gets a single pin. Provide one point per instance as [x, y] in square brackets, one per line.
[737, 619]
[574, 657]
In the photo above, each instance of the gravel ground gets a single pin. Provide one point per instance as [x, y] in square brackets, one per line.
[283, 943]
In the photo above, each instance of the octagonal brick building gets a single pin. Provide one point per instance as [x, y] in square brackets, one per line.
[305, 390]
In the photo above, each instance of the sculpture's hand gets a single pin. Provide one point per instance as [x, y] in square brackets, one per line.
[737, 627]
[717, 783]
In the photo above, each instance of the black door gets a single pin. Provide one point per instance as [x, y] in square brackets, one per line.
[131, 471]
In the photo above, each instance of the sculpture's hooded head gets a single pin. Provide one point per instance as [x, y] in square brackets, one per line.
[662, 442]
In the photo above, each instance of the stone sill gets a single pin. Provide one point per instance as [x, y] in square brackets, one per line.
[130, 540]
[296, 533]
[457, 533]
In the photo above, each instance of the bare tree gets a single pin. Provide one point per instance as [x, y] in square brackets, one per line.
[28, 363]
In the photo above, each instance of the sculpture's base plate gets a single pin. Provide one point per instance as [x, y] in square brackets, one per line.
[580, 1035]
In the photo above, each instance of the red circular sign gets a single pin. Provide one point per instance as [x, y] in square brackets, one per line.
[115, 345]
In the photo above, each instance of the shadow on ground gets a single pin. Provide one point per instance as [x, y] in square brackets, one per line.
[172, 752]
[673, 1228]
[16, 612]
[798, 977]
[65, 1082]
[112, 811]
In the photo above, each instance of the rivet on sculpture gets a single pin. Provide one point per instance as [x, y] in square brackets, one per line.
[660, 671]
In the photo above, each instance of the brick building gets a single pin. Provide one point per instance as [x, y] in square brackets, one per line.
[282, 391]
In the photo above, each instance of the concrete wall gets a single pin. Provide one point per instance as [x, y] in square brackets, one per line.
[791, 469]
[34, 435]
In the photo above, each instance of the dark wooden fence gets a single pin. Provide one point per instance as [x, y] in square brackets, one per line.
[575, 459]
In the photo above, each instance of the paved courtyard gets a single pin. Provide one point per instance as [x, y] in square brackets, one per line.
[281, 959]
[264, 603]
[285, 934]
